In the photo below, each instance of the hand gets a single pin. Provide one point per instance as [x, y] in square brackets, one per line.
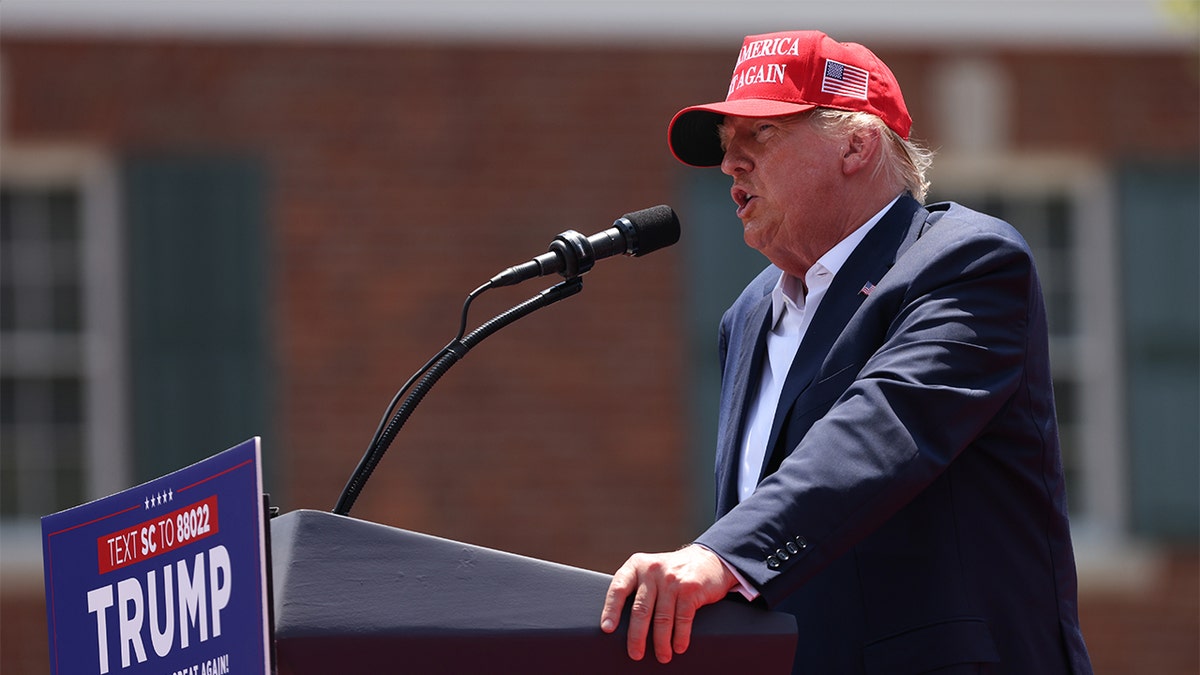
[668, 589]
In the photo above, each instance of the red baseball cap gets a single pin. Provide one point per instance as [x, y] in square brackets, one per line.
[780, 74]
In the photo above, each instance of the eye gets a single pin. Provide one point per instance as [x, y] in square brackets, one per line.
[764, 131]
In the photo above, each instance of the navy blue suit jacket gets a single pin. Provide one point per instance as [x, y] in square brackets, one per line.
[911, 512]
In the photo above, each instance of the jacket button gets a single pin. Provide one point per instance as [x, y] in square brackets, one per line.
[773, 562]
[782, 554]
[792, 548]
[801, 542]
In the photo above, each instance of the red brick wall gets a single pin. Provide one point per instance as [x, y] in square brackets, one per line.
[24, 641]
[1147, 629]
[402, 177]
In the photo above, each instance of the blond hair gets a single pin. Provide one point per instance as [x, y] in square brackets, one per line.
[906, 162]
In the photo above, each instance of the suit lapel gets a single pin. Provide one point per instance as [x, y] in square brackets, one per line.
[747, 369]
[873, 257]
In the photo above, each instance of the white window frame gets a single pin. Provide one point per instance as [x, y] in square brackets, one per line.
[1105, 554]
[106, 451]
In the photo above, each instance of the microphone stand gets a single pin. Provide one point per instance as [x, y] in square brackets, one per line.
[433, 371]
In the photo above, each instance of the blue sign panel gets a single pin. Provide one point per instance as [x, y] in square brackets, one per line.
[168, 577]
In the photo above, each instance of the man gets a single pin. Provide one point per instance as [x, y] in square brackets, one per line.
[888, 468]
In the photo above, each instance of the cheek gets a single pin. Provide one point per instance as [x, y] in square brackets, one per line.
[802, 183]
[795, 195]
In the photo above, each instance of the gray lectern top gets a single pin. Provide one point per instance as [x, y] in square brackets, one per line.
[352, 596]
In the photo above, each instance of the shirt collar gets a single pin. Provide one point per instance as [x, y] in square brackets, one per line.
[787, 289]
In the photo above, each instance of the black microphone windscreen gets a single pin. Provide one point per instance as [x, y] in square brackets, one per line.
[657, 227]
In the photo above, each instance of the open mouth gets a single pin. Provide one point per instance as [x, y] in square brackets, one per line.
[741, 197]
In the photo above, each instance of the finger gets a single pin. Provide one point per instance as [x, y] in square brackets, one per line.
[614, 600]
[664, 625]
[685, 616]
[640, 613]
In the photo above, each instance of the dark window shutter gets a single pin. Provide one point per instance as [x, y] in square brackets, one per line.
[198, 323]
[1160, 237]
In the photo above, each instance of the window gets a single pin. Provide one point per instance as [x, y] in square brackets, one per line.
[62, 378]
[1062, 207]
[41, 387]
[176, 277]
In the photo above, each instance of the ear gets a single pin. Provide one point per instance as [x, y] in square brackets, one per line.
[860, 151]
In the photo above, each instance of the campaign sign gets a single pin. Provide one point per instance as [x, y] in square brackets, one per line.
[169, 577]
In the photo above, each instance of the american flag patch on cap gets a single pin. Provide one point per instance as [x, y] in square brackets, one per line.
[844, 80]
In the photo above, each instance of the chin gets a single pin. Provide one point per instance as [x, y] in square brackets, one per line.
[752, 236]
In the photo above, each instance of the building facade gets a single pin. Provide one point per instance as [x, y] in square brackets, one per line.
[207, 238]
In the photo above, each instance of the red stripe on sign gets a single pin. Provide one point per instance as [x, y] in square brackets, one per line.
[158, 535]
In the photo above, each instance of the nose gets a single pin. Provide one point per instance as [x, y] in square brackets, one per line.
[735, 160]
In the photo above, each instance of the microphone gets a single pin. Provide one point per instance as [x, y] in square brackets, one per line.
[571, 254]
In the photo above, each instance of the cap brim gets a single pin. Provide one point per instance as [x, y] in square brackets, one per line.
[693, 134]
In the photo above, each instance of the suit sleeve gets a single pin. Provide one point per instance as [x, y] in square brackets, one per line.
[948, 359]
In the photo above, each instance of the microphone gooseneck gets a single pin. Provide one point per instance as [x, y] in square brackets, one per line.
[429, 376]
[571, 254]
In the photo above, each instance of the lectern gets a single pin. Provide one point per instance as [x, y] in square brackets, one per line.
[352, 596]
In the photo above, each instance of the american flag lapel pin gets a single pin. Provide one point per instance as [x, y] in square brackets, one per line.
[867, 288]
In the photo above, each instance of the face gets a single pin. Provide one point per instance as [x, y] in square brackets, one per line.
[786, 185]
